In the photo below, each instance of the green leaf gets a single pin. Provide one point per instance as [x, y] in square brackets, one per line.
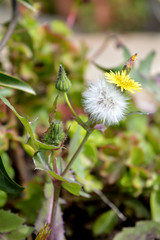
[6, 92]
[155, 205]
[28, 149]
[9, 221]
[33, 124]
[105, 69]
[31, 202]
[153, 140]
[60, 27]
[28, 4]
[137, 207]
[11, 224]
[84, 194]
[40, 161]
[144, 230]
[3, 198]
[45, 146]
[126, 54]
[22, 35]
[23, 120]
[12, 82]
[72, 187]
[7, 162]
[20, 233]
[56, 176]
[28, 127]
[137, 124]
[69, 185]
[145, 65]
[90, 151]
[6, 183]
[105, 223]
[137, 156]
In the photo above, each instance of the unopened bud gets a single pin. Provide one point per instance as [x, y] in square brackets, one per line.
[63, 83]
[55, 134]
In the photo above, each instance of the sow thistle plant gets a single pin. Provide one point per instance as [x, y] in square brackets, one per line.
[105, 104]
[105, 101]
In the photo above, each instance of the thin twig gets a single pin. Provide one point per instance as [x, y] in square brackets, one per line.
[3, 237]
[12, 25]
[76, 153]
[79, 120]
[110, 204]
[102, 46]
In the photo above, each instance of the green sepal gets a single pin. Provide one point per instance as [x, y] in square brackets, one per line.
[54, 134]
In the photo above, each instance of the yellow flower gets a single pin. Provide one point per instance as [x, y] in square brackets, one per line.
[122, 80]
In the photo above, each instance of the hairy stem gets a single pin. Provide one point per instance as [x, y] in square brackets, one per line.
[12, 25]
[77, 152]
[57, 188]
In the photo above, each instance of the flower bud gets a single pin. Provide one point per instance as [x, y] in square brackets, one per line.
[63, 83]
[55, 134]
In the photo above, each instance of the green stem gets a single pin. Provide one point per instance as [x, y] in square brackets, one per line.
[54, 162]
[57, 188]
[77, 152]
[75, 114]
[89, 123]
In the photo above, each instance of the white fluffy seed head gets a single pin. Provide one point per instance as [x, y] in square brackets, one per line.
[104, 102]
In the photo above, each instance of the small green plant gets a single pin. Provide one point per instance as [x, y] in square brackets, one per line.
[105, 105]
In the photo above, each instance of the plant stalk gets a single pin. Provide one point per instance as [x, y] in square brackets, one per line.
[57, 189]
[77, 152]
[12, 25]
[75, 114]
